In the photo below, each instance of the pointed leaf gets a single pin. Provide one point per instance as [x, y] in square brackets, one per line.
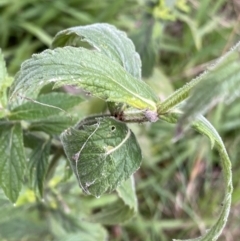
[221, 83]
[102, 155]
[121, 210]
[106, 39]
[204, 127]
[88, 69]
[127, 193]
[45, 106]
[38, 164]
[12, 161]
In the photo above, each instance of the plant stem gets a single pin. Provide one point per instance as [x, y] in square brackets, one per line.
[53, 163]
[178, 96]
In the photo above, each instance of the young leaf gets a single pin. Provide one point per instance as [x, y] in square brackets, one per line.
[177, 97]
[45, 106]
[106, 39]
[221, 83]
[204, 127]
[37, 165]
[102, 155]
[12, 162]
[121, 210]
[88, 69]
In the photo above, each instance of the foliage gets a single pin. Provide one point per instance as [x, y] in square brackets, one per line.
[35, 116]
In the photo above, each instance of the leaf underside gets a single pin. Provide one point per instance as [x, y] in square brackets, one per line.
[106, 39]
[102, 155]
[45, 106]
[204, 127]
[12, 161]
[53, 125]
[90, 70]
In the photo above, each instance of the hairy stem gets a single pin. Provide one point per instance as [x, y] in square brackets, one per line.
[178, 96]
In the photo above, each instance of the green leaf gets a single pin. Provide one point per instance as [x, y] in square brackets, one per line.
[102, 155]
[88, 232]
[204, 127]
[53, 125]
[38, 164]
[121, 210]
[106, 39]
[221, 83]
[31, 140]
[128, 194]
[88, 69]
[5, 82]
[67, 227]
[110, 42]
[12, 162]
[45, 106]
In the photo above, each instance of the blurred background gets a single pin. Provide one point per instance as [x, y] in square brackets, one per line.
[179, 185]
